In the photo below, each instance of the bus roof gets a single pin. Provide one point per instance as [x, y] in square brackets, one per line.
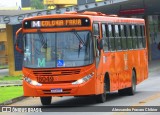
[93, 16]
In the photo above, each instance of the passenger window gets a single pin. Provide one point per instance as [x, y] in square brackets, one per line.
[140, 38]
[129, 38]
[135, 42]
[143, 36]
[110, 29]
[117, 38]
[111, 37]
[105, 37]
[104, 30]
[96, 29]
[123, 37]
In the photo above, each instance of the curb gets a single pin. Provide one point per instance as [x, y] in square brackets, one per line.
[14, 100]
[11, 82]
[10, 85]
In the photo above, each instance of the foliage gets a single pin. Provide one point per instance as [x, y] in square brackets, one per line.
[3, 66]
[37, 4]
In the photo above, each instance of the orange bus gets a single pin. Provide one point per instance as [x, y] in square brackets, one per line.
[82, 54]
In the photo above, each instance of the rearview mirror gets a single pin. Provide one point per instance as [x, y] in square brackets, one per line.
[100, 44]
[17, 41]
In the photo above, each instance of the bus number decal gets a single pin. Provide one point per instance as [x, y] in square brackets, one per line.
[45, 79]
[41, 63]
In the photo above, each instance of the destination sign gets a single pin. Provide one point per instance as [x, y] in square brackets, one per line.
[55, 23]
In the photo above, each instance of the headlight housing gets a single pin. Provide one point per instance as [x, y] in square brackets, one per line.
[32, 82]
[84, 79]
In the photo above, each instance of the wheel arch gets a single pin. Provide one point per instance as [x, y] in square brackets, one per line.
[134, 69]
[107, 81]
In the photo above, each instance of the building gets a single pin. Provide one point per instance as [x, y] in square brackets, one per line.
[147, 9]
[10, 4]
[3, 47]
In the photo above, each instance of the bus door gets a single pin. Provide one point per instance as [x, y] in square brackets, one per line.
[98, 58]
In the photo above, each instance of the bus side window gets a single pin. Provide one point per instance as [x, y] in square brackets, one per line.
[105, 37]
[111, 37]
[139, 36]
[143, 36]
[134, 37]
[117, 38]
[123, 37]
[129, 38]
[96, 29]
[103, 30]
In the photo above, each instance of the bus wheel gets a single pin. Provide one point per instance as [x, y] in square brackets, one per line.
[101, 98]
[131, 90]
[46, 100]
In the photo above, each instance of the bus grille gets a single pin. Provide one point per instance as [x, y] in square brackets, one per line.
[49, 72]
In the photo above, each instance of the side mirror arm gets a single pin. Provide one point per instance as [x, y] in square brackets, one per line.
[17, 44]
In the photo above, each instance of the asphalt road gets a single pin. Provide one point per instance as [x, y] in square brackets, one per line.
[147, 94]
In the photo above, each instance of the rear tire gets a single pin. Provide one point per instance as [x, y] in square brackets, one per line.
[131, 90]
[46, 100]
[101, 98]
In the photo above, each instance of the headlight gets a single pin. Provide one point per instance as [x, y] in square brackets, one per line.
[32, 82]
[84, 79]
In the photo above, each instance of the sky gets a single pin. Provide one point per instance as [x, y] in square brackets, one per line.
[9, 3]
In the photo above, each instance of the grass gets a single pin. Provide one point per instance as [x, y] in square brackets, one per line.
[7, 93]
[3, 66]
[10, 78]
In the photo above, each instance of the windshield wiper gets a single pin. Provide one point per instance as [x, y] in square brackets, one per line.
[79, 37]
[81, 42]
[42, 39]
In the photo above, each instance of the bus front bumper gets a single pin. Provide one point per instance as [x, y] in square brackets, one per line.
[67, 89]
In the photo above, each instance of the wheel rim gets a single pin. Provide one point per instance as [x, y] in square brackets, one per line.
[133, 82]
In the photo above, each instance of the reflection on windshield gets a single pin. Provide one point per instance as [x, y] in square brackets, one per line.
[64, 49]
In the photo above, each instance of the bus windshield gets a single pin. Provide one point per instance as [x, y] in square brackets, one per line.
[60, 49]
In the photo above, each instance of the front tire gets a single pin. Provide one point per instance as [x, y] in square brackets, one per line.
[46, 100]
[101, 98]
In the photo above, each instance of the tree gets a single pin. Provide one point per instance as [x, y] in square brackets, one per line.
[37, 4]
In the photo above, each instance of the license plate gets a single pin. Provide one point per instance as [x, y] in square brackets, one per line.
[56, 90]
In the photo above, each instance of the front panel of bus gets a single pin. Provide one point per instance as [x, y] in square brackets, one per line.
[58, 57]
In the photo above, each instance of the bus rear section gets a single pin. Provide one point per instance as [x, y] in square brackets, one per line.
[125, 53]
